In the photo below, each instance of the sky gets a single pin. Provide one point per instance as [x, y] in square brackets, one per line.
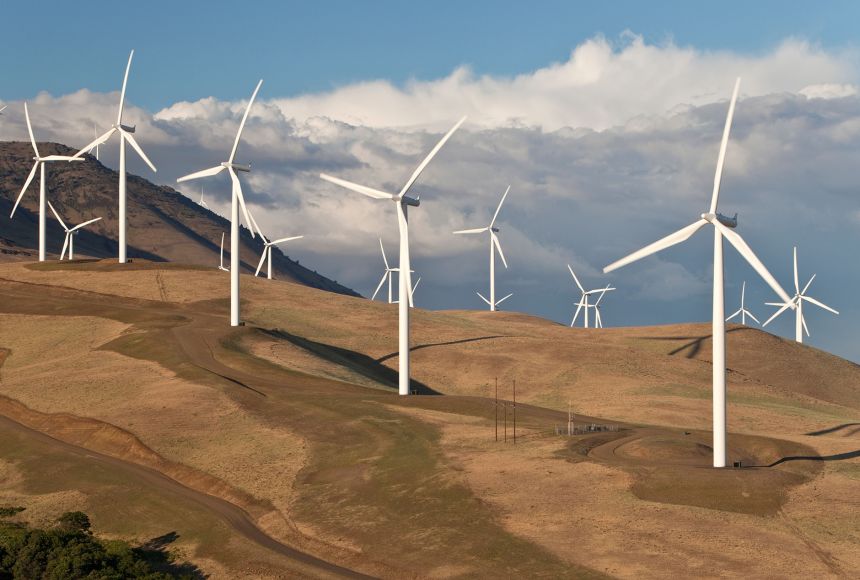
[605, 120]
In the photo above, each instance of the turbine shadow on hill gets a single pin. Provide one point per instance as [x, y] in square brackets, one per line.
[835, 429]
[695, 344]
[364, 365]
[835, 457]
[429, 344]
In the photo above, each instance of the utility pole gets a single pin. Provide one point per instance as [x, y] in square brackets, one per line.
[515, 411]
[497, 408]
[506, 420]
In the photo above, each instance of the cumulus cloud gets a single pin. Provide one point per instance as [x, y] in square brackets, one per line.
[605, 152]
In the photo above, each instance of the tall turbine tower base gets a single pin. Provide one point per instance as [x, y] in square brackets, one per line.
[719, 355]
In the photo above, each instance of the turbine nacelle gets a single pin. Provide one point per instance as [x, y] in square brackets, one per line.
[729, 222]
[406, 200]
[125, 128]
[236, 166]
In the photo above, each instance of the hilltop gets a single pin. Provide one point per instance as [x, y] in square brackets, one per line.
[163, 224]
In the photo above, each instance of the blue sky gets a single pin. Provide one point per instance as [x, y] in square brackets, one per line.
[608, 137]
[191, 49]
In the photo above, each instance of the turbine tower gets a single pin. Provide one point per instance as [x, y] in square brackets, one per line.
[723, 227]
[797, 300]
[69, 242]
[125, 135]
[742, 310]
[494, 246]
[238, 200]
[583, 302]
[401, 202]
[39, 164]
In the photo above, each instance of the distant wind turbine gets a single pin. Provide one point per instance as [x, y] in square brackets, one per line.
[723, 227]
[221, 266]
[40, 165]
[267, 249]
[742, 310]
[583, 302]
[797, 303]
[386, 276]
[494, 246]
[202, 203]
[402, 202]
[125, 135]
[69, 242]
[238, 200]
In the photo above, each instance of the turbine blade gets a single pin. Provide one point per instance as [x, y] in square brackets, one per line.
[602, 294]
[30, 129]
[796, 284]
[745, 251]
[498, 247]
[65, 244]
[661, 244]
[282, 240]
[384, 259]
[819, 304]
[86, 223]
[61, 158]
[576, 314]
[803, 322]
[430, 156]
[733, 315]
[505, 298]
[598, 320]
[24, 189]
[750, 314]
[204, 173]
[718, 175]
[575, 279]
[56, 215]
[785, 307]
[237, 191]
[368, 191]
[122, 94]
[495, 215]
[137, 148]
[97, 141]
[808, 284]
[743, 292]
[257, 227]
[484, 299]
[474, 231]
[381, 282]
[242, 124]
[262, 260]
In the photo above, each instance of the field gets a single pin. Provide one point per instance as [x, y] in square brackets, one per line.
[281, 448]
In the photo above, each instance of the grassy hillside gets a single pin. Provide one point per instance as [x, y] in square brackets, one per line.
[162, 223]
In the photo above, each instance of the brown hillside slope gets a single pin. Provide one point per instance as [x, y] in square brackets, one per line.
[162, 223]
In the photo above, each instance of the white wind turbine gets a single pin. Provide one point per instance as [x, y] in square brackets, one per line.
[267, 250]
[125, 135]
[583, 302]
[722, 228]
[238, 200]
[40, 165]
[402, 202]
[742, 310]
[494, 246]
[96, 148]
[221, 266]
[387, 276]
[202, 203]
[69, 242]
[797, 303]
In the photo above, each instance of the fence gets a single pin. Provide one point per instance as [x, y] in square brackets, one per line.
[583, 428]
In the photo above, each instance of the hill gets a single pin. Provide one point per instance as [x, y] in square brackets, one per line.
[163, 224]
[313, 466]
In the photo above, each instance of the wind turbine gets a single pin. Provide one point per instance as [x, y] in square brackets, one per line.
[797, 303]
[494, 246]
[40, 165]
[386, 276]
[69, 242]
[723, 227]
[202, 203]
[125, 135]
[402, 202]
[583, 301]
[238, 200]
[742, 310]
[221, 266]
[96, 135]
[267, 251]
[598, 321]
